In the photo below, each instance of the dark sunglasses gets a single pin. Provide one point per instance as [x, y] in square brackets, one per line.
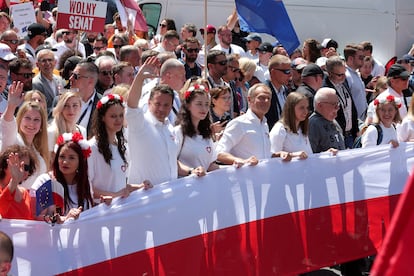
[222, 63]
[196, 50]
[106, 73]
[284, 71]
[65, 33]
[26, 75]
[97, 48]
[77, 76]
[12, 41]
[163, 25]
[117, 46]
[28, 168]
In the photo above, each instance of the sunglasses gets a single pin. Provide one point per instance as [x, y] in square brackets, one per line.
[28, 168]
[234, 69]
[66, 33]
[163, 25]
[97, 48]
[196, 50]
[26, 75]
[339, 75]
[222, 63]
[106, 73]
[284, 71]
[117, 46]
[77, 76]
[12, 41]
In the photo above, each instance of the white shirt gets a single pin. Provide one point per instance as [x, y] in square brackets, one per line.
[283, 140]
[235, 49]
[370, 136]
[51, 135]
[195, 151]
[103, 176]
[378, 69]
[246, 136]
[262, 72]
[405, 130]
[357, 89]
[86, 111]
[61, 47]
[12, 137]
[153, 148]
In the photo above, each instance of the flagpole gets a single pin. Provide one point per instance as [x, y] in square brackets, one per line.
[205, 39]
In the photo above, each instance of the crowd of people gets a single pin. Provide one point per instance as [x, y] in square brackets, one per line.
[93, 116]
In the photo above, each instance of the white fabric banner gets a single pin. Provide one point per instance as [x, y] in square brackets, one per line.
[192, 206]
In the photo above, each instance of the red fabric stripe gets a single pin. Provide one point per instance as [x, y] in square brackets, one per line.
[281, 245]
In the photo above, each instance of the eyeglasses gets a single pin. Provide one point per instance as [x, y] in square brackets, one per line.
[190, 50]
[106, 73]
[117, 46]
[163, 25]
[334, 105]
[338, 75]
[66, 33]
[45, 60]
[77, 76]
[12, 41]
[234, 69]
[284, 71]
[28, 168]
[97, 48]
[222, 63]
[26, 75]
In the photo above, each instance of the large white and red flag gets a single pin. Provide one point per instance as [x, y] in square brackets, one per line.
[276, 218]
[130, 11]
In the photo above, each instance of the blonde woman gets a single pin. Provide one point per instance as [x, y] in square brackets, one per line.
[65, 117]
[29, 128]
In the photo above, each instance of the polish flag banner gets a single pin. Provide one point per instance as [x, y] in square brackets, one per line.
[276, 218]
[129, 10]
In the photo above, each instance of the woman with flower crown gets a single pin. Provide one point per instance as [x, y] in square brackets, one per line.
[387, 111]
[193, 129]
[109, 162]
[28, 128]
[65, 192]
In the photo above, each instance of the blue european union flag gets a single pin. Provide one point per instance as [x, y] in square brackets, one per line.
[44, 197]
[270, 17]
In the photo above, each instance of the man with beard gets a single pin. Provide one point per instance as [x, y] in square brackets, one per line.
[36, 35]
[191, 47]
[21, 70]
[46, 82]
[69, 43]
[225, 45]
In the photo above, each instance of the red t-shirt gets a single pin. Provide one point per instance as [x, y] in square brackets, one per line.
[11, 209]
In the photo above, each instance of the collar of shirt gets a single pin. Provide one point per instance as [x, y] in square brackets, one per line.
[253, 117]
[155, 121]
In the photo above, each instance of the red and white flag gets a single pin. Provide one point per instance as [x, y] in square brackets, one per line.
[129, 10]
[397, 253]
[276, 218]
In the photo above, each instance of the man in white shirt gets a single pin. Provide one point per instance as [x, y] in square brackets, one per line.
[69, 43]
[246, 138]
[265, 53]
[225, 45]
[152, 144]
[253, 41]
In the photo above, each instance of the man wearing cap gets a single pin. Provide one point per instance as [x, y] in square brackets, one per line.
[397, 83]
[408, 62]
[225, 45]
[210, 41]
[297, 66]
[36, 35]
[253, 41]
[328, 47]
[6, 55]
[312, 77]
[265, 53]
[347, 116]
[46, 82]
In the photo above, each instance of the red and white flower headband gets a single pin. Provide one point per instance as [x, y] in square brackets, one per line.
[107, 98]
[190, 90]
[388, 99]
[77, 138]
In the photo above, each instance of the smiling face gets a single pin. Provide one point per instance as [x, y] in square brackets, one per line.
[260, 100]
[71, 110]
[160, 105]
[31, 123]
[386, 113]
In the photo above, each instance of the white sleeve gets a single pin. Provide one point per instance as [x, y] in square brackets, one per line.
[370, 137]
[277, 137]
[9, 133]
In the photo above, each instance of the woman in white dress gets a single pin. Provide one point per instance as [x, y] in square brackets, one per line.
[29, 128]
[193, 130]
[290, 133]
[108, 163]
[387, 117]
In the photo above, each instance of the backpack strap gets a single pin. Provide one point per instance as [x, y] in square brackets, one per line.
[379, 129]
